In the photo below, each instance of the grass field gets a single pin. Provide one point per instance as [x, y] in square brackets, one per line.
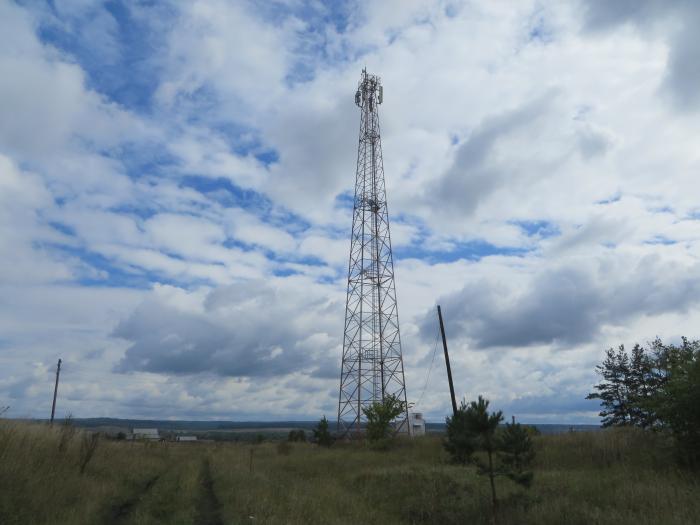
[580, 478]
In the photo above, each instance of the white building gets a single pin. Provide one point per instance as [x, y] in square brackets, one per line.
[146, 433]
[416, 424]
[186, 438]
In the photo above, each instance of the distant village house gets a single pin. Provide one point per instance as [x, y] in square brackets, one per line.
[146, 433]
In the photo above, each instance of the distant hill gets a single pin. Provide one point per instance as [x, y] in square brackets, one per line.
[203, 426]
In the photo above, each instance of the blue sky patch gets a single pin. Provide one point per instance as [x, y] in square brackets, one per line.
[542, 229]
[117, 58]
[474, 250]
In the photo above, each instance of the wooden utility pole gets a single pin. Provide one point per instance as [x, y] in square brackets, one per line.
[55, 391]
[447, 362]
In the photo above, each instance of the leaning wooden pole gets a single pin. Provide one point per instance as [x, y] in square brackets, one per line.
[55, 391]
[447, 362]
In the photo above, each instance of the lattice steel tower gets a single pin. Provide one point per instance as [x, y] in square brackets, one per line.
[372, 364]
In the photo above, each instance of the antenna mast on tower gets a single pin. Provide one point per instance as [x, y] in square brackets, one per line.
[372, 363]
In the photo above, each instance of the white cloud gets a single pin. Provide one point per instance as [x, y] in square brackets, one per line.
[497, 117]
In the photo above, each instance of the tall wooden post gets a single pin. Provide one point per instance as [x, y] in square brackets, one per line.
[447, 362]
[55, 391]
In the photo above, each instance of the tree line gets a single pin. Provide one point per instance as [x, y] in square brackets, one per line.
[655, 387]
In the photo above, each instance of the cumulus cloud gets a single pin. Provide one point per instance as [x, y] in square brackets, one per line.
[674, 22]
[570, 304]
[250, 329]
[175, 211]
[476, 171]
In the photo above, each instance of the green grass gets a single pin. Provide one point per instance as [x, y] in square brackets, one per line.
[611, 477]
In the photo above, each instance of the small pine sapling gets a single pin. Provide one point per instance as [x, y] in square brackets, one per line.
[473, 428]
[322, 435]
[483, 426]
[516, 452]
[459, 441]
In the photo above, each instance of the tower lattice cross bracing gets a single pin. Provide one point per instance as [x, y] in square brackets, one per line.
[372, 365]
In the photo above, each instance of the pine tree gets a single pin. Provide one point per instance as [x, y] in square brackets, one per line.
[657, 387]
[639, 385]
[460, 442]
[484, 426]
[613, 390]
[681, 409]
[517, 453]
[473, 428]
[322, 435]
[676, 397]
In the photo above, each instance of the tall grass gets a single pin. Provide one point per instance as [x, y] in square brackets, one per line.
[41, 480]
[605, 477]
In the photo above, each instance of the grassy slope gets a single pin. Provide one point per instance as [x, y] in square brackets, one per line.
[587, 478]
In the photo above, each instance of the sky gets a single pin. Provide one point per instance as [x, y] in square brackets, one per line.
[176, 186]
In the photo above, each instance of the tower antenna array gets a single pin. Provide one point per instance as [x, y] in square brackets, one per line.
[372, 367]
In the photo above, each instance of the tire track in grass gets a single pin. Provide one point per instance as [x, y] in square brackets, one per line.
[119, 513]
[208, 506]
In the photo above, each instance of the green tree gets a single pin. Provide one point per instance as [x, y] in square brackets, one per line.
[474, 428]
[379, 416]
[483, 426]
[676, 400]
[613, 390]
[640, 387]
[516, 452]
[297, 435]
[322, 435]
[460, 442]
[655, 387]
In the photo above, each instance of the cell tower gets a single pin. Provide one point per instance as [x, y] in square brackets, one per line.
[372, 363]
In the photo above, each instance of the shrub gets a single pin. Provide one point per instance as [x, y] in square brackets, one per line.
[88, 446]
[297, 435]
[379, 417]
[284, 448]
[322, 435]
[66, 433]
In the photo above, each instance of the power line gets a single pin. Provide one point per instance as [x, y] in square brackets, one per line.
[430, 369]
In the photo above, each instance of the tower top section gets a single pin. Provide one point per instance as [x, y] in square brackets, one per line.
[369, 90]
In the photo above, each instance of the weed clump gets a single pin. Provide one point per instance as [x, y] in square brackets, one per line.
[88, 446]
[284, 448]
[66, 433]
